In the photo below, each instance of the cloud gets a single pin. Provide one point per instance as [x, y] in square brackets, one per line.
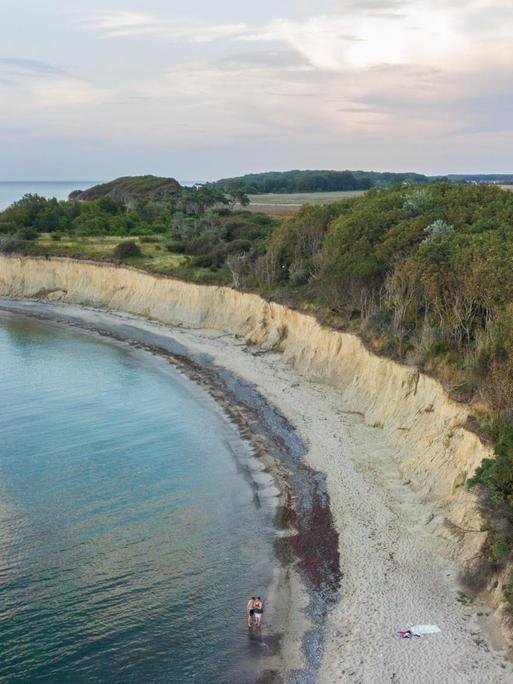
[65, 92]
[126, 24]
[268, 59]
[373, 5]
[43, 85]
[28, 67]
[358, 33]
[373, 74]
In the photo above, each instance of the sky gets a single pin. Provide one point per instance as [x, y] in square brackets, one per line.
[201, 90]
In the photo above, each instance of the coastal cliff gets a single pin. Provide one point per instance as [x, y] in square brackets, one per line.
[436, 453]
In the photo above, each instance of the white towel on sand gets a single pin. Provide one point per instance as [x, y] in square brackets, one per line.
[425, 629]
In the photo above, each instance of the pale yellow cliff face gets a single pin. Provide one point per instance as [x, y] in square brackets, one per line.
[426, 428]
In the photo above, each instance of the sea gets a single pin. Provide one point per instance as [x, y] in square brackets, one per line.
[135, 521]
[11, 191]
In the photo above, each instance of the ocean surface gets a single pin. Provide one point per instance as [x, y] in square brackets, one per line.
[134, 520]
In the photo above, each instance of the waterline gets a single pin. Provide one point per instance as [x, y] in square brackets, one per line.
[128, 521]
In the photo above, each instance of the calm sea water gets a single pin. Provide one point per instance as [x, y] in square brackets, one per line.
[130, 535]
[10, 191]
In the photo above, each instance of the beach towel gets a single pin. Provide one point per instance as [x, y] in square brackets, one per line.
[425, 629]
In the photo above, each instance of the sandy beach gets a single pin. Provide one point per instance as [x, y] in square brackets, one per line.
[395, 572]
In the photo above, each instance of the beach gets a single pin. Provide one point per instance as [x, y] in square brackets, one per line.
[395, 570]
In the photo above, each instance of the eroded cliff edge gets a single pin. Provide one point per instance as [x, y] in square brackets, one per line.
[435, 451]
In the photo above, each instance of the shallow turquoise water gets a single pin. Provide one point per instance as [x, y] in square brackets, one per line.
[131, 528]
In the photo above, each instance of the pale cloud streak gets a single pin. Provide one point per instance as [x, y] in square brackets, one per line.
[127, 24]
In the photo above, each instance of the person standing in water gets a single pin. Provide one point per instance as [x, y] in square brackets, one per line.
[258, 608]
[251, 611]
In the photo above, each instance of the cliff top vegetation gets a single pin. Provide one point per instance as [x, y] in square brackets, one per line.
[132, 188]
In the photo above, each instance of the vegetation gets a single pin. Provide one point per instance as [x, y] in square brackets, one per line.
[126, 249]
[422, 272]
[313, 181]
[199, 234]
[131, 188]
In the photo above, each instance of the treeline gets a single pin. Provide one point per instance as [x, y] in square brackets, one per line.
[111, 214]
[425, 275]
[313, 181]
[33, 214]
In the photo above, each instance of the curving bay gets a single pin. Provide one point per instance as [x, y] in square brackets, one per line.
[134, 520]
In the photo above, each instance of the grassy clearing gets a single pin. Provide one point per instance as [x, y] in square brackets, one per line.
[288, 204]
[155, 256]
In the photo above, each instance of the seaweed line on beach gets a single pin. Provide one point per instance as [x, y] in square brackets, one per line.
[311, 541]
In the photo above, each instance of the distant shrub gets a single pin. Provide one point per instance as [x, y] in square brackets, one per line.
[238, 245]
[9, 245]
[439, 230]
[414, 201]
[205, 260]
[176, 246]
[150, 239]
[126, 249]
[213, 259]
[27, 234]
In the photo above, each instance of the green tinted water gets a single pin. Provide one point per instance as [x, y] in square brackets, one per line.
[132, 530]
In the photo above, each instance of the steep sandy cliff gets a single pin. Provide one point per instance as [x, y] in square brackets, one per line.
[436, 453]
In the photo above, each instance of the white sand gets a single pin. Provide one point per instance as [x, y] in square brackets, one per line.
[395, 571]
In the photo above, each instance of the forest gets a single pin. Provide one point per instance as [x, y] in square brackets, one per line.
[313, 181]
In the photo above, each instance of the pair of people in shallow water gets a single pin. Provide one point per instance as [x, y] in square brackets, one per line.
[255, 609]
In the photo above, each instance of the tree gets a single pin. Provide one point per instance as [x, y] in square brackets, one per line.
[235, 264]
[237, 197]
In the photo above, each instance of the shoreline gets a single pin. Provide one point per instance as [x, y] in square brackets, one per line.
[299, 576]
[396, 548]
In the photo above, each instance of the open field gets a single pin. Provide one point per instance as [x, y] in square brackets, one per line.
[287, 204]
[155, 256]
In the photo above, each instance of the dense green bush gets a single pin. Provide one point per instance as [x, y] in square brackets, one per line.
[10, 245]
[126, 249]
